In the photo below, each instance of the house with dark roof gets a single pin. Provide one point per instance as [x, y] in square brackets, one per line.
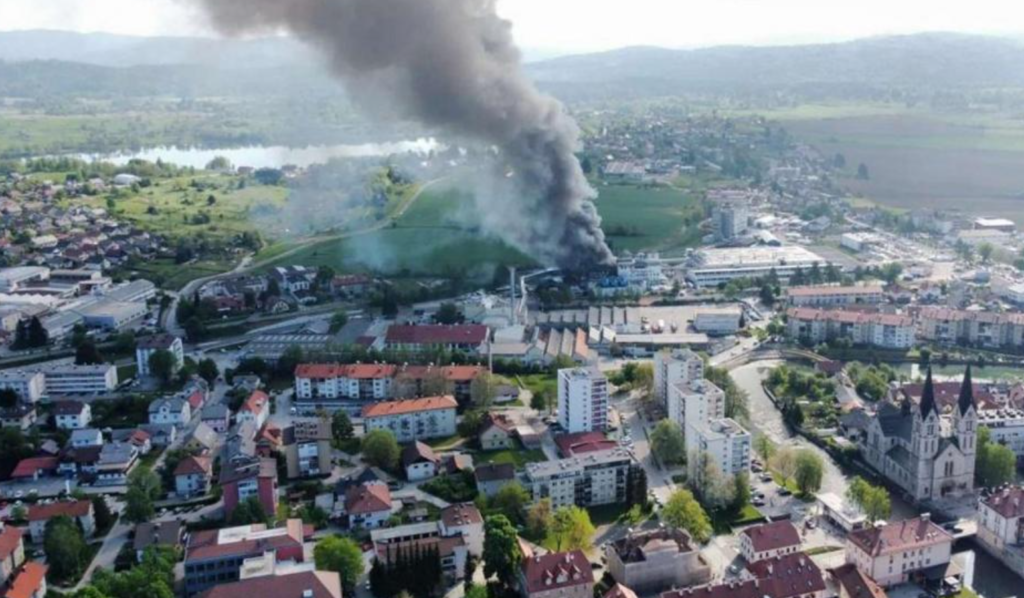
[217, 416]
[368, 505]
[851, 582]
[556, 575]
[192, 476]
[497, 432]
[927, 453]
[791, 576]
[491, 477]
[71, 415]
[769, 540]
[242, 478]
[169, 534]
[651, 561]
[891, 553]
[419, 462]
[1000, 517]
[215, 557]
[289, 583]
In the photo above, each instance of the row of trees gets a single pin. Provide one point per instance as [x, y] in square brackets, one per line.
[415, 570]
[800, 466]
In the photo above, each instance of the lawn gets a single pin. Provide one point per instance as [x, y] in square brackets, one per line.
[165, 273]
[649, 218]
[447, 443]
[607, 514]
[724, 521]
[519, 458]
[539, 384]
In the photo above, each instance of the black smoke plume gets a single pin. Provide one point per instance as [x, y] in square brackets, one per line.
[452, 64]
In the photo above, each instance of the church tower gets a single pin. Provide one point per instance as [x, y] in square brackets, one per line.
[965, 420]
[925, 437]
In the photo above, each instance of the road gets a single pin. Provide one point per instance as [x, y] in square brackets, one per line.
[248, 264]
[107, 555]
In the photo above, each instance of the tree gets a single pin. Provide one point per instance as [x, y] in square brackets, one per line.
[341, 427]
[502, 554]
[809, 472]
[449, 314]
[570, 529]
[87, 353]
[539, 518]
[483, 389]
[873, 500]
[740, 491]
[152, 578]
[248, 512]
[764, 447]
[343, 556]
[290, 359]
[995, 464]
[684, 512]
[708, 483]
[162, 364]
[636, 487]
[101, 512]
[208, 370]
[144, 487]
[65, 548]
[862, 172]
[985, 251]
[784, 464]
[219, 163]
[14, 447]
[30, 334]
[380, 448]
[668, 443]
[510, 500]
[539, 401]
[8, 398]
[643, 378]
[338, 320]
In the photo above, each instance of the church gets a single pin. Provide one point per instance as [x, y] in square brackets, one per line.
[927, 453]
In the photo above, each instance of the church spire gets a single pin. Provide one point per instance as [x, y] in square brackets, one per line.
[966, 400]
[928, 397]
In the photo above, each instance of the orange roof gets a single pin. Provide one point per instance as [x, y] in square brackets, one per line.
[834, 290]
[29, 580]
[367, 371]
[28, 467]
[373, 371]
[410, 406]
[256, 401]
[73, 509]
[318, 370]
[10, 538]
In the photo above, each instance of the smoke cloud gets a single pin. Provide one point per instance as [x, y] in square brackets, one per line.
[452, 64]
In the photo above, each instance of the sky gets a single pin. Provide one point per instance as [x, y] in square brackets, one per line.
[544, 25]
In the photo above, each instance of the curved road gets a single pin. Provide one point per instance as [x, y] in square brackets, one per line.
[170, 315]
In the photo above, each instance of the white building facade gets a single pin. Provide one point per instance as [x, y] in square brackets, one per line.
[582, 400]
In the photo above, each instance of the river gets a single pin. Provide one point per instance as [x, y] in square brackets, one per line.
[992, 579]
[268, 156]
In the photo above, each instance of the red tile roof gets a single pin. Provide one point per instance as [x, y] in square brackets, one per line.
[772, 536]
[10, 539]
[256, 402]
[195, 400]
[318, 370]
[791, 575]
[409, 406]
[557, 570]
[899, 535]
[812, 291]
[29, 580]
[467, 334]
[204, 545]
[322, 584]
[27, 468]
[500, 421]
[193, 465]
[947, 393]
[376, 371]
[856, 583]
[73, 509]
[583, 442]
[461, 514]
[848, 316]
[620, 591]
[367, 498]
[1008, 502]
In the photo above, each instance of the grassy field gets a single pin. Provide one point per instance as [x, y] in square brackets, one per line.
[519, 458]
[662, 219]
[921, 158]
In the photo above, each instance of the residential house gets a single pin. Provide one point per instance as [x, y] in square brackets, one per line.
[492, 477]
[244, 478]
[146, 347]
[164, 534]
[1000, 518]
[72, 415]
[217, 416]
[556, 575]
[22, 416]
[851, 582]
[255, 409]
[891, 553]
[116, 461]
[283, 582]
[497, 433]
[33, 468]
[769, 540]
[464, 338]
[12, 553]
[413, 419]
[591, 479]
[136, 437]
[307, 447]
[790, 576]
[174, 411]
[570, 445]
[86, 437]
[78, 510]
[368, 505]
[656, 560]
[161, 434]
[30, 581]
[203, 439]
[192, 476]
[419, 462]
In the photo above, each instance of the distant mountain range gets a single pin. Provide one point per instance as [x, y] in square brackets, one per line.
[932, 61]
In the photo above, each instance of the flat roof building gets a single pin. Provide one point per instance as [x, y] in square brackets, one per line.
[711, 267]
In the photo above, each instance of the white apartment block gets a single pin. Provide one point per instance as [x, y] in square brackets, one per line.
[883, 330]
[30, 386]
[698, 401]
[595, 478]
[1000, 518]
[727, 443]
[680, 366]
[891, 553]
[835, 296]
[711, 267]
[163, 342]
[413, 419]
[990, 329]
[80, 379]
[1006, 427]
[72, 415]
[582, 400]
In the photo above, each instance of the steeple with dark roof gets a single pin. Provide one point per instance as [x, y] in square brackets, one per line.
[966, 400]
[928, 397]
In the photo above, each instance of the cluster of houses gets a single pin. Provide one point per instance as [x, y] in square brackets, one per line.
[296, 285]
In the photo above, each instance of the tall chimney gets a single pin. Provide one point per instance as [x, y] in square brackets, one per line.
[512, 291]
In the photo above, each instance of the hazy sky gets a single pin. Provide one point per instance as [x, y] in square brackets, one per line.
[575, 25]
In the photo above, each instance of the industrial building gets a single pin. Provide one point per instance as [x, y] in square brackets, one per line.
[711, 267]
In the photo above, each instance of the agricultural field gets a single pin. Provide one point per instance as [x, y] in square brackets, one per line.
[656, 218]
[925, 159]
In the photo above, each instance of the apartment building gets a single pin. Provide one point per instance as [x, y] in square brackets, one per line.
[594, 478]
[695, 402]
[769, 540]
[72, 415]
[656, 560]
[582, 400]
[307, 447]
[413, 419]
[678, 366]
[215, 557]
[835, 296]
[324, 384]
[987, 329]
[556, 575]
[283, 581]
[30, 386]
[790, 576]
[458, 535]
[890, 553]
[1000, 522]
[725, 441]
[463, 338]
[149, 345]
[883, 330]
[245, 477]
[80, 379]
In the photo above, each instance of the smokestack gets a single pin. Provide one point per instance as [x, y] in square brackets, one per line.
[512, 290]
[452, 65]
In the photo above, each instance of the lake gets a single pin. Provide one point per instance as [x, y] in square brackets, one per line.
[269, 156]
